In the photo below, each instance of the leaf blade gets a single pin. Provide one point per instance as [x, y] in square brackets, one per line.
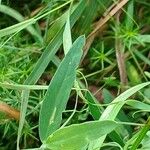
[78, 136]
[59, 90]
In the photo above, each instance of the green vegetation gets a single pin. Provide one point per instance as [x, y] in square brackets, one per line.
[74, 75]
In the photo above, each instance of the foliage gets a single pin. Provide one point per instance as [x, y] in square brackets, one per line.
[74, 75]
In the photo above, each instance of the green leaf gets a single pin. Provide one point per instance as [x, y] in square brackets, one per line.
[84, 24]
[95, 110]
[133, 74]
[23, 87]
[24, 24]
[116, 135]
[78, 136]
[13, 13]
[143, 38]
[17, 27]
[67, 40]
[112, 110]
[142, 57]
[53, 47]
[129, 16]
[59, 89]
[47, 56]
[24, 104]
[141, 135]
[138, 105]
[56, 27]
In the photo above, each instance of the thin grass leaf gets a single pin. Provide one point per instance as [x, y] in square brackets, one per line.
[142, 57]
[53, 47]
[147, 74]
[59, 89]
[111, 111]
[138, 105]
[56, 27]
[24, 103]
[16, 28]
[141, 135]
[95, 110]
[24, 24]
[13, 13]
[67, 40]
[129, 17]
[115, 135]
[143, 38]
[79, 135]
[23, 87]
[84, 24]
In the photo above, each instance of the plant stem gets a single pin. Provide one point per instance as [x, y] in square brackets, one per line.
[120, 55]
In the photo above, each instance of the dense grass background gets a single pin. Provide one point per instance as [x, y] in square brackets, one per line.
[74, 75]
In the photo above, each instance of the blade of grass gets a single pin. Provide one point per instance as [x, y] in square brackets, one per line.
[111, 111]
[13, 13]
[52, 47]
[23, 87]
[141, 135]
[24, 104]
[138, 105]
[24, 24]
[67, 40]
[17, 27]
[129, 16]
[142, 57]
[96, 111]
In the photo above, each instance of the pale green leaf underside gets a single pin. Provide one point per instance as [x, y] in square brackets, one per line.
[78, 136]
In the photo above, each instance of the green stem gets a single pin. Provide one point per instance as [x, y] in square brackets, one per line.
[142, 134]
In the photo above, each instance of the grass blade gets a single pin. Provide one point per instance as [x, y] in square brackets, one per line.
[53, 47]
[17, 27]
[67, 40]
[138, 105]
[95, 110]
[111, 111]
[13, 13]
[24, 104]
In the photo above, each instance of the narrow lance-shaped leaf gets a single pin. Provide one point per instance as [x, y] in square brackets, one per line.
[138, 105]
[96, 111]
[53, 46]
[17, 27]
[13, 13]
[94, 107]
[111, 111]
[78, 136]
[59, 89]
[129, 16]
[25, 96]
[20, 26]
[67, 40]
